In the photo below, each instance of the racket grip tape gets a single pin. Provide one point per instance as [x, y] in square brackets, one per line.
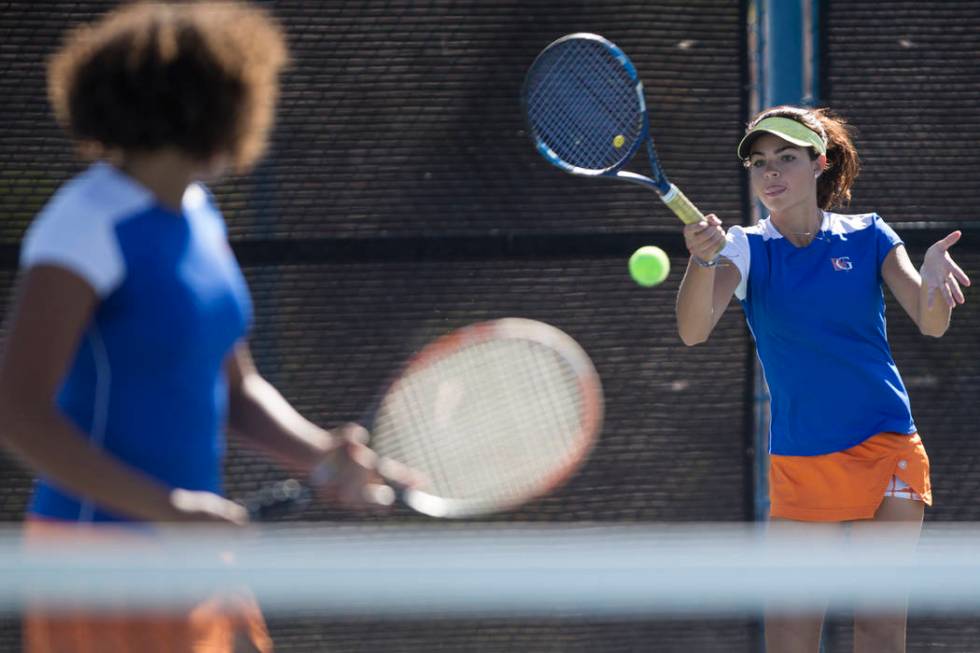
[681, 206]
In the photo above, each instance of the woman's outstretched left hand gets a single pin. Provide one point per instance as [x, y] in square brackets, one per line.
[940, 273]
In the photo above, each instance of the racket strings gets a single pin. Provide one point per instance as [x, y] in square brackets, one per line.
[581, 124]
[550, 420]
[583, 70]
[583, 104]
[487, 423]
[482, 475]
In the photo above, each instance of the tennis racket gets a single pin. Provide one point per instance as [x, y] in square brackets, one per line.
[493, 415]
[585, 111]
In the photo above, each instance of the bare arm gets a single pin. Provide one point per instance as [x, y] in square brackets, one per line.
[930, 294]
[704, 293]
[259, 414]
[52, 310]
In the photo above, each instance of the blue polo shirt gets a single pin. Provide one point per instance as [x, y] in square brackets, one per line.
[817, 314]
[147, 384]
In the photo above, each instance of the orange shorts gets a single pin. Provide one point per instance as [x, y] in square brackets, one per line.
[213, 626]
[850, 484]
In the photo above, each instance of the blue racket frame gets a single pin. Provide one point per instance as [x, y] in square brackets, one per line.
[668, 192]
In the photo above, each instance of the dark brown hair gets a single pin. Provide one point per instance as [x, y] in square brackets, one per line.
[834, 184]
[199, 76]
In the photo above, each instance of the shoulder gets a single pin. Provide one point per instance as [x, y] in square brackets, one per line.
[76, 228]
[94, 201]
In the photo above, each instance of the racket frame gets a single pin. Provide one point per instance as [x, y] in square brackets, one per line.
[590, 389]
[285, 497]
[668, 192]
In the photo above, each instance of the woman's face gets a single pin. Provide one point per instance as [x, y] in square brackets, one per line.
[783, 175]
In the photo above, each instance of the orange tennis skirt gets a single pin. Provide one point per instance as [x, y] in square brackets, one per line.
[850, 484]
[222, 624]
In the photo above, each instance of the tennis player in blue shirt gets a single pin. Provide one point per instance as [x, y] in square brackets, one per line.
[127, 354]
[844, 447]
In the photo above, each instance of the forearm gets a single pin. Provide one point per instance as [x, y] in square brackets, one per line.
[695, 304]
[262, 417]
[52, 447]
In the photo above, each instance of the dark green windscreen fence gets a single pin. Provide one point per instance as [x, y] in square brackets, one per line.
[401, 198]
[906, 76]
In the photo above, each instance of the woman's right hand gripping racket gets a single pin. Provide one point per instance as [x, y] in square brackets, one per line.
[585, 111]
[493, 415]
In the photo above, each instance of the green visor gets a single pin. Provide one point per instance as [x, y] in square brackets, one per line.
[787, 129]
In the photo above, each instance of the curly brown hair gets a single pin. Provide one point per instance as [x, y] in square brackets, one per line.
[843, 165]
[202, 77]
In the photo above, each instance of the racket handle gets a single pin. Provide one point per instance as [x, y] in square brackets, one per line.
[277, 500]
[683, 207]
[290, 496]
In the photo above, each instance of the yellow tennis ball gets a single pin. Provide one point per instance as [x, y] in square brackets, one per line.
[649, 265]
[618, 141]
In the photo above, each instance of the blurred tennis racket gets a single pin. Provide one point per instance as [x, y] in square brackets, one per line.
[584, 106]
[494, 414]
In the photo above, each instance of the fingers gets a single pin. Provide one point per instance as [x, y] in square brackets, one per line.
[957, 271]
[378, 495]
[705, 239]
[207, 507]
[941, 274]
[950, 239]
[950, 291]
[352, 432]
[956, 291]
[954, 276]
[361, 494]
[362, 479]
[947, 295]
[400, 476]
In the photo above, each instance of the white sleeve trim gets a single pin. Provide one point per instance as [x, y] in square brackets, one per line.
[76, 230]
[92, 253]
[737, 251]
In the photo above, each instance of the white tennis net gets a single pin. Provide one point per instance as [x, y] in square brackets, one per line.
[494, 570]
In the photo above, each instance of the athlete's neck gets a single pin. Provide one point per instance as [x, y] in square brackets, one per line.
[799, 224]
[165, 172]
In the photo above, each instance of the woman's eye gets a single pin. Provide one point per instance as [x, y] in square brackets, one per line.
[788, 157]
[759, 163]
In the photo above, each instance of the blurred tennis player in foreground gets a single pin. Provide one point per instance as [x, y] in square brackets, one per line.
[844, 446]
[126, 357]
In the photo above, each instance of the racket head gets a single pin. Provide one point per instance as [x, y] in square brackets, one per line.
[583, 104]
[494, 414]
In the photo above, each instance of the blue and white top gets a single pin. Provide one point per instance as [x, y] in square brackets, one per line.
[817, 314]
[147, 384]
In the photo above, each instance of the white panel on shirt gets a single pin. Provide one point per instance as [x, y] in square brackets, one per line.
[76, 228]
[841, 225]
